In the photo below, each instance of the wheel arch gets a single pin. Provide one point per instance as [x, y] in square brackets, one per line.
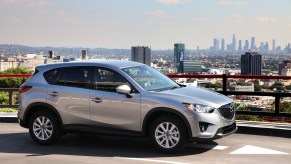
[34, 107]
[160, 111]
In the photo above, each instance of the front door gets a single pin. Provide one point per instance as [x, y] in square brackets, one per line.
[109, 108]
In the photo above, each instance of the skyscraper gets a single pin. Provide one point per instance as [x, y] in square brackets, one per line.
[84, 55]
[50, 54]
[141, 54]
[239, 45]
[262, 47]
[233, 43]
[179, 55]
[222, 44]
[266, 46]
[215, 44]
[253, 43]
[251, 63]
[273, 45]
[247, 46]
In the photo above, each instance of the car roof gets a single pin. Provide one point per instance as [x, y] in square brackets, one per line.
[119, 64]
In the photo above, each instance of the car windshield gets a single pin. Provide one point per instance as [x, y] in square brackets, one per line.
[150, 79]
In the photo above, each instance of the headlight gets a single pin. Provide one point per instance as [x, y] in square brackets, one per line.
[199, 108]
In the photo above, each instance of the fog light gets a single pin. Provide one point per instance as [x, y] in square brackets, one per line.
[203, 126]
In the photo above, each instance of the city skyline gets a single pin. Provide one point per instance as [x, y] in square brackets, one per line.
[156, 23]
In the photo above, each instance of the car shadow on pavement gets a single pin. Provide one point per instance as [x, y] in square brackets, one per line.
[90, 145]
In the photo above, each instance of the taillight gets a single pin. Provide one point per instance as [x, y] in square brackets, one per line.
[24, 88]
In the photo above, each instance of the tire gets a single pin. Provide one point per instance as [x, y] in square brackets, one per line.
[44, 128]
[168, 134]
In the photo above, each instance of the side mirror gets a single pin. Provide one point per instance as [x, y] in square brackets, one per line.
[123, 89]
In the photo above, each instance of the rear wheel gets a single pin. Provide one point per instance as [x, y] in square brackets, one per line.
[168, 134]
[44, 128]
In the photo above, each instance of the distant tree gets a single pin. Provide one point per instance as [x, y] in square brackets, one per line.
[288, 87]
[13, 82]
[286, 107]
[257, 86]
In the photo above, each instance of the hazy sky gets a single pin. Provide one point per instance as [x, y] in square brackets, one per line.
[155, 23]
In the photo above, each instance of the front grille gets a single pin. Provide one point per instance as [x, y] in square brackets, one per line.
[228, 129]
[227, 111]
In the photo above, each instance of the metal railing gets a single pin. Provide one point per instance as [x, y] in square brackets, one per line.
[225, 91]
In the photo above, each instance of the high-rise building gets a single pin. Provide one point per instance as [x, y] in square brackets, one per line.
[239, 45]
[273, 45]
[253, 43]
[188, 66]
[179, 55]
[84, 54]
[262, 47]
[233, 43]
[251, 63]
[266, 46]
[50, 54]
[288, 48]
[247, 46]
[222, 44]
[215, 44]
[285, 65]
[141, 54]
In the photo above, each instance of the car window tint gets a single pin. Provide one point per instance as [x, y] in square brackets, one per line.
[75, 77]
[52, 76]
[108, 80]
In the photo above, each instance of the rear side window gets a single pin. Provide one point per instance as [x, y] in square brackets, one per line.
[52, 76]
[75, 77]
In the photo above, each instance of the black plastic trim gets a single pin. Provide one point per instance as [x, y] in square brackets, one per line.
[145, 123]
[81, 128]
[25, 119]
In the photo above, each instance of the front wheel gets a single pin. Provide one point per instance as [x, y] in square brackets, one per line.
[44, 128]
[168, 134]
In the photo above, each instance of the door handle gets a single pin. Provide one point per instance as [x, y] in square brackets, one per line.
[54, 93]
[96, 100]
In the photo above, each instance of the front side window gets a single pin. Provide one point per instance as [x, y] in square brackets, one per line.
[108, 80]
[150, 79]
[75, 77]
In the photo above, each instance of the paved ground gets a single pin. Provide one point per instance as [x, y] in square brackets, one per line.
[16, 147]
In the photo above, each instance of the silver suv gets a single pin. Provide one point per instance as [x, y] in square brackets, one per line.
[121, 98]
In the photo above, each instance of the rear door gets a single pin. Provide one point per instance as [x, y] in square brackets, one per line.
[69, 93]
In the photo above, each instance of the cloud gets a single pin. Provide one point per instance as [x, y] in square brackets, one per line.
[11, 20]
[27, 3]
[158, 13]
[266, 19]
[236, 16]
[173, 1]
[232, 2]
[203, 19]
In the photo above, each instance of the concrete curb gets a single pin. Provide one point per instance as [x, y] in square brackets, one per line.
[8, 120]
[8, 117]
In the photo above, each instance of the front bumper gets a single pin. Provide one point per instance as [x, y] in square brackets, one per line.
[221, 132]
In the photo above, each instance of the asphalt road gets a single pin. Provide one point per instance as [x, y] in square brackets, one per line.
[16, 147]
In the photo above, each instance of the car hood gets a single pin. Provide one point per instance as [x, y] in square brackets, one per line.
[198, 95]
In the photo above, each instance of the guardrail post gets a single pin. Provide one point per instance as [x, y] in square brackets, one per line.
[277, 104]
[10, 97]
[224, 81]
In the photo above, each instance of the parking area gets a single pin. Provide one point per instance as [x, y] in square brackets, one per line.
[16, 147]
